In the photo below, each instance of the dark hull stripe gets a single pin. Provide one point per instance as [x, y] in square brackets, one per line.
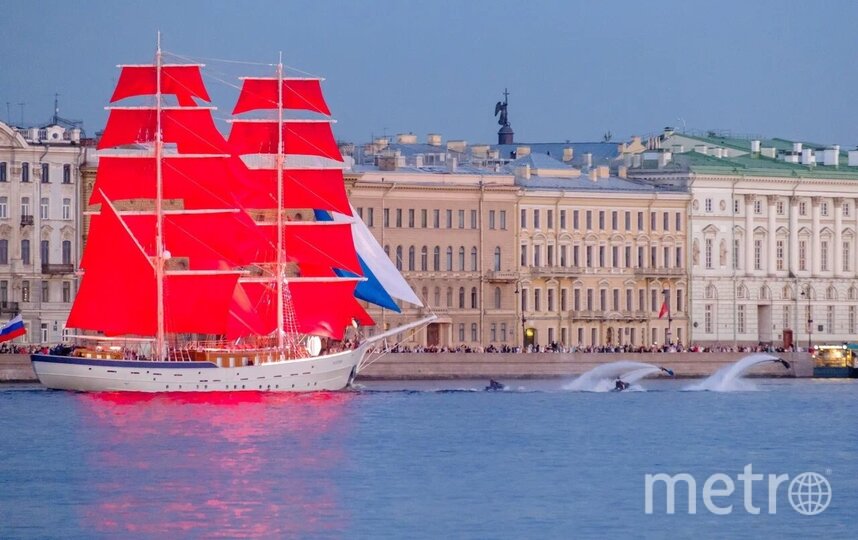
[145, 364]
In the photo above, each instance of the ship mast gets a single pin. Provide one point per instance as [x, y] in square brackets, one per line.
[159, 211]
[280, 273]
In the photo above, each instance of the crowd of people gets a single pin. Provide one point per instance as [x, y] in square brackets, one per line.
[560, 348]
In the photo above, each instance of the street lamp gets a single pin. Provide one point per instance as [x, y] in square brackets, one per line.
[666, 293]
[520, 290]
[806, 294]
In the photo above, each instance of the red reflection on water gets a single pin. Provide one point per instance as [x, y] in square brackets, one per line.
[244, 464]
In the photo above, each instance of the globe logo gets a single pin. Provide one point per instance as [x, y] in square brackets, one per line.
[809, 493]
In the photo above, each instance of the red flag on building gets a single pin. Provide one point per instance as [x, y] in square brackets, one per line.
[665, 310]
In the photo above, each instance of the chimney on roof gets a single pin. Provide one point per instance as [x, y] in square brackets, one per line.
[593, 175]
[701, 149]
[433, 139]
[568, 154]
[406, 138]
[796, 147]
[522, 151]
[604, 171]
[719, 152]
[755, 146]
[853, 158]
[807, 157]
[588, 159]
[623, 171]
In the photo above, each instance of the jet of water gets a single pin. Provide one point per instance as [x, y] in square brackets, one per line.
[602, 378]
[731, 378]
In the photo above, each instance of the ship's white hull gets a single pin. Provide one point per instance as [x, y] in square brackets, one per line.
[329, 372]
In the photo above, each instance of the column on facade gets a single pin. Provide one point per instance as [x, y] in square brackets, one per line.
[793, 234]
[815, 258]
[771, 240]
[749, 234]
[837, 248]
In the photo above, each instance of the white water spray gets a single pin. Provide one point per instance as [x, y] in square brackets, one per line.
[731, 378]
[603, 378]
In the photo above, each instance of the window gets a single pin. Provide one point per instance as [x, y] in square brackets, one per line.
[449, 297]
[652, 221]
[399, 218]
[589, 257]
[4, 251]
[779, 254]
[550, 299]
[640, 256]
[736, 251]
[707, 255]
[25, 172]
[550, 219]
[707, 318]
[25, 251]
[370, 222]
[640, 221]
[474, 332]
[575, 221]
[43, 208]
[615, 305]
[589, 299]
[549, 255]
[536, 221]
[779, 208]
[438, 297]
[25, 206]
[845, 210]
[846, 256]
[3, 171]
[412, 256]
[503, 331]
[424, 258]
[758, 206]
[523, 218]
[736, 207]
[474, 299]
[576, 300]
[497, 261]
[386, 217]
[802, 208]
[66, 292]
[436, 259]
[399, 257]
[629, 301]
[461, 298]
[563, 219]
[802, 255]
[537, 256]
[575, 256]
[4, 207]
[564, 252]
[851, 328]
[678, 300]
[615, 256]
[615, 220]
[823, 255]
[678, 221]
[666, 221]
[461, 331]
[524, 300]
[602, 262]
[679, 260]
[564, 299]
[461, 258]
[436, 219]
[424, 218]
[601, 220]
[653, 257]
[449, 258]
[628, 253]
[740, 319]
[707, 204]
[67, 174]
[503, 220]
[461, 219]
[494, 332]
[758, 254]
[449, 219]
[474, 259]
[44, 250]
[411, 218]
[25, 291]
[46, 296]
[787, 320]
[497, 297]
[823, 208]
[628, 221]
[524, 261]
[653, 300]
[537, 299]
[589, 220]
[46, 173]
[829, 319]
[491, 219]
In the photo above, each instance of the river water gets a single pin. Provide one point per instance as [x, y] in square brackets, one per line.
[422, 460]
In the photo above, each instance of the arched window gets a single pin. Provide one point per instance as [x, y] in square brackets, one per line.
[852, 294]
[787, 292]
[424, 292]
[474, 259]
[461, 298]
[461, 258]
[474, 332]
[437, 296]
[474, 298]
[25, 251]
[831, 294]
[449, 297]
[411, 256]
[399, 257]
[449, 258]
[424, 259]
[436, 259]
[497, 297]
[497, 261]
[387, 250]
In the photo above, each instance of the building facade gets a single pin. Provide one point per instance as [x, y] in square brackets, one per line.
[773, 237]
[39, 216]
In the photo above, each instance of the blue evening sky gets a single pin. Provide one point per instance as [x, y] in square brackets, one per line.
[574, 69]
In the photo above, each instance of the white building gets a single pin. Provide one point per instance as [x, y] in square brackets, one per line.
[772, 242]
[39, 217]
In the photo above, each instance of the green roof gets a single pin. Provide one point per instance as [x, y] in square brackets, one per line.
[763, 166]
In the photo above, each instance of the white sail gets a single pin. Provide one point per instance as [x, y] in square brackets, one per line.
[377, 261]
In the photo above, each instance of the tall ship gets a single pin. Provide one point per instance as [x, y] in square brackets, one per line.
[221, 263]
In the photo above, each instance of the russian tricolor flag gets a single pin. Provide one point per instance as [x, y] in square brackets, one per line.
[12, 329]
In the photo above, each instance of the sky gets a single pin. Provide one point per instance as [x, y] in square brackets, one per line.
[575, 70]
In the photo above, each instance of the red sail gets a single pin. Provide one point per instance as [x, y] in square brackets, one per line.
[299, 94]
[202, 182]
[116, 270]
[319, 189]
[212, 241]
[184, 81]
[321, 308]
[316, 243]
[309, 138]
[192, 130]
[198, 304]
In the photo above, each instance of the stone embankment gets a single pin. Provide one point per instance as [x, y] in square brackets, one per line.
[404, 366]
